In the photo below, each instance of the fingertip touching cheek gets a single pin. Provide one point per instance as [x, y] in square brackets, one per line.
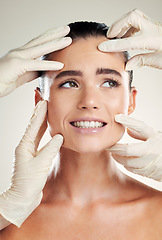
[85, 96]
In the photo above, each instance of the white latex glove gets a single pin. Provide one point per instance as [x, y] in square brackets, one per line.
[136, 31]
[21, 65]
[143, 158]
[31, 169]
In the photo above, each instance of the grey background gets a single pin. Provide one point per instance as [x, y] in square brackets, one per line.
[20, 21]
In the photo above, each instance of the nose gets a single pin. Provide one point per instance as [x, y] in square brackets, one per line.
[89, 99]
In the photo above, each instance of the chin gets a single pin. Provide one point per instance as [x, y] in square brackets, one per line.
[85, 146]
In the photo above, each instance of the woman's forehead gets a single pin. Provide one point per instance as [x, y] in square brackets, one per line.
[85, 51]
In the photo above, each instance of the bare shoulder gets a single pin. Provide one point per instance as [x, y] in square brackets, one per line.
[153, 213]
[155, 203]
[138, 187]
[151, 199]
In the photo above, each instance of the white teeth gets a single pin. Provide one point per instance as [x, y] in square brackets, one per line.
[88, 124]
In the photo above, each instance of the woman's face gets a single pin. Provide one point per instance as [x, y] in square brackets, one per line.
[86, 95]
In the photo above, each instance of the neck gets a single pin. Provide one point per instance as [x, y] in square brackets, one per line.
[84, 178]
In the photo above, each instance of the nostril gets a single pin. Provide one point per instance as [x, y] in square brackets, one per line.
[86, 107]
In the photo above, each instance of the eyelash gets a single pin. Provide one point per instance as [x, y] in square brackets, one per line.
[67, 81]
[115, 82]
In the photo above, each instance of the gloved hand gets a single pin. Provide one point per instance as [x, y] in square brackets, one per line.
[143, 158]
[21, 65]
[31, 170]
[136, 32]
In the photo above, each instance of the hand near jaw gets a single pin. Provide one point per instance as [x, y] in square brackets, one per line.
[21, 65]
[30, 170]
[136, 31]
[144, 158]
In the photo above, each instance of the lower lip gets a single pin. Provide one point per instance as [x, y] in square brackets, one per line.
[88, 130]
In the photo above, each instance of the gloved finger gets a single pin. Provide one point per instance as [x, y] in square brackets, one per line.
[124, 44]
[130, 32]
[146, 171]
[148, 59]
[42, 65]
[136, 171]
[27, 144]
[121, 26]
[135, 135]
[50, 150]
[133, 163]
[38, 51]
[136, 20]
[31, 68]
[48, 36]
[156, 174]
[6, 90]
[129, 150]
[134, 124]
[125, 161]
[40, 133]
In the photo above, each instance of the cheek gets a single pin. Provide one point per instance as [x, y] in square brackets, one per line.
[56, 114]
[117, 103]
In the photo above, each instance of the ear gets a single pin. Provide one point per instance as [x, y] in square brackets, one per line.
[38, 96]
[132, 100]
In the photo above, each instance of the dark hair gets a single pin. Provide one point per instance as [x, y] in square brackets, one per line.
[84, 30]
[87, 29]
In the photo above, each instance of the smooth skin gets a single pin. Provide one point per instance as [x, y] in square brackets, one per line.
[90, 198]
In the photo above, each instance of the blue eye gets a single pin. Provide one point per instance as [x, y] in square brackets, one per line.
[68, 84]
[111, 84]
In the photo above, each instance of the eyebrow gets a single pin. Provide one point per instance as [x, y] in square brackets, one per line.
[69, 73]
[99, 71]
[108, 71]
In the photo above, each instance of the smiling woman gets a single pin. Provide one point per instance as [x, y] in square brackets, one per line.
[91, 89]
[89, 197]
[92, 85]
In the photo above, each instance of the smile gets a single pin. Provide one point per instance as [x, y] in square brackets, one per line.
[88, 124]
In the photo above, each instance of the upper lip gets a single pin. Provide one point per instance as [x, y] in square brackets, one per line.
[88, 119]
